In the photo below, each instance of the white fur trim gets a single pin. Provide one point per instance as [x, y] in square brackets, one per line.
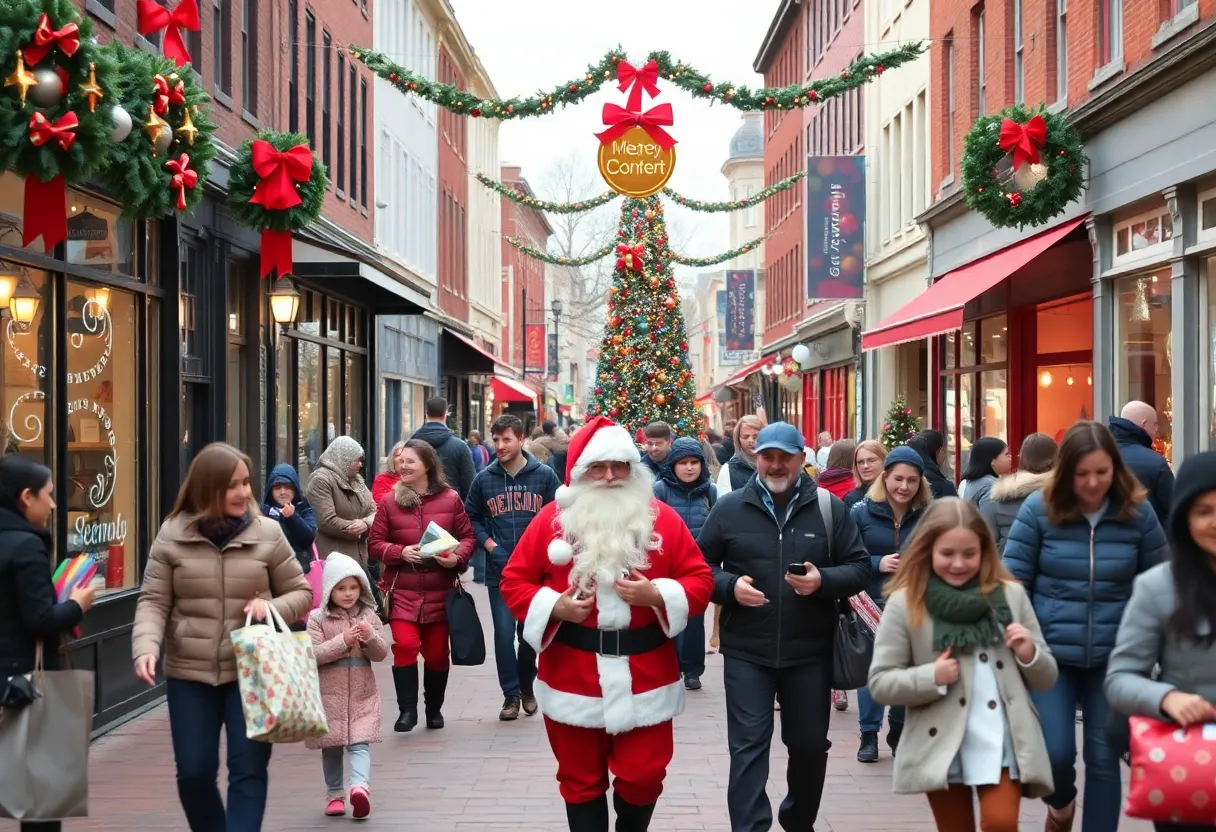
[644, 709]
[560, 552]
[612, 613]
[540, 611]
[675, 618]
[608, 444]
[564, 496]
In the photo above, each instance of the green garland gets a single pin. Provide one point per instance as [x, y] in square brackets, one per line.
[540, 204]
[754, 199]
[603, 71]
[702, 262]
[1002, 202]
[553, 259]
[134, 175]
[242, 180]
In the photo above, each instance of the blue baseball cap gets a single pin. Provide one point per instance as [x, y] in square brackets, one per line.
[781, 436]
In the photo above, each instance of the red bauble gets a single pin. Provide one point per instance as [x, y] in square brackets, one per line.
[573, 88]
[615, 320]
[392, 77]
[475, 112]
[1015, 199]
[878, 69]
[599, 391]
[708, 87]
[675, 362]
[616, 411]
[683, 345]
[510, 108]
[814, 96]
[669, 302]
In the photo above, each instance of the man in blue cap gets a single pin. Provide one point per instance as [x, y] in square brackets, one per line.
[783, 553]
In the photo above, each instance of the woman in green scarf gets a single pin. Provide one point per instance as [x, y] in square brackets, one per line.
[959, 646]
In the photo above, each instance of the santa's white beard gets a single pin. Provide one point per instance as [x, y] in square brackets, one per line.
[611, 527]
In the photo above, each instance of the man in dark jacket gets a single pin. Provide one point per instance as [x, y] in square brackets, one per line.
[777, 626]
[504, 498]
[454, 455]
[658, 444]
[1135, 429]
[931, 446]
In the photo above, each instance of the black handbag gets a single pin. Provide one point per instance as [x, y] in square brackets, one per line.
[852, 650]
[467, 640]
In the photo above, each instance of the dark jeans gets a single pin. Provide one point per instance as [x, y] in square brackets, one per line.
[690, 646]
[197, 713]
[1058, 715]
[805, 695]
[516, 672]
[479, 565]
[869, 713]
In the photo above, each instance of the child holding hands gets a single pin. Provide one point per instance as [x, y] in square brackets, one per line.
[959, 646]
[346, 639]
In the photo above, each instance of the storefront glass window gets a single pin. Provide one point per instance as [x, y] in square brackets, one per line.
[12, 208]
[967, 351]
[994, 346]
[308, 318]
[1144, 349]
[950, 425]
[333, 391]
[994, 405]
[1209, 328]
[948, 347]
[26, 377]
[283, 399]
[154, 456]
[99, 236]
[354, 396]
[966, 422]
[310, 438]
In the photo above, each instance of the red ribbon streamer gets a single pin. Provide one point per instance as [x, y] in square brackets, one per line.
[619, 121]
[638, 80]
[45, 212]
[276, 252]
[1023, 140]
[630, 257]
[165, 95]
[279, 171]
[61, 132]
[152, 18]
[66, 38]
[183, 178]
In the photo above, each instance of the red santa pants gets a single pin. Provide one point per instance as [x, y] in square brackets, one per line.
[638, 758]
[411, 638]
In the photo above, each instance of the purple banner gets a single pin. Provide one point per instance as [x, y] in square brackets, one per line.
[740, 311]
[835, 227]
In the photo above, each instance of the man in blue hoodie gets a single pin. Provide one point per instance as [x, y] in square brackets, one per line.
[502, 501]
[454, 454]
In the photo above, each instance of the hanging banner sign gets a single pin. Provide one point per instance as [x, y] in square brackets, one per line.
[554, 370]
[740, 315]
[835, 227]
[534, 349]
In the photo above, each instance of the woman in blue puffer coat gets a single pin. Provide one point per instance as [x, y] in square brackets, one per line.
[1078, 546]
[683, 482]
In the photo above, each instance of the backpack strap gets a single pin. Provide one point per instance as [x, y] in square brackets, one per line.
[825, 510]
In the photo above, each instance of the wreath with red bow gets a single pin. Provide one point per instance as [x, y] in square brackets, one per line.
[1022, 166]
[277, 186]
[147, 181]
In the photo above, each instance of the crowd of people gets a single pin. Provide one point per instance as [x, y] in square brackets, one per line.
[1084, 581]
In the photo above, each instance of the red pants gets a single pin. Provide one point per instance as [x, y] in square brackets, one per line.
[411, 638]
[638, 758]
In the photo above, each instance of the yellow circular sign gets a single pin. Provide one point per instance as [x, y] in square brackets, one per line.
[635, 165]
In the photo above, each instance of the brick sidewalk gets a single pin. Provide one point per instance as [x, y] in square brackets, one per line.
[479, 773]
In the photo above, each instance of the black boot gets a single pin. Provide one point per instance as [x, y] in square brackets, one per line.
[868, 753]
[893, 734]
[591, 816]
[630, 818]
[434, 686]
[405, 680]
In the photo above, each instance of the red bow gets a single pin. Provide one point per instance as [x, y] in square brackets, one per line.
[279, 170]
[61, 132]
[629, 257]
[153, 17]
[639, 79]
[66, 38]
[183, 178]
[619, 121]
[166, 95]
[1024, 140]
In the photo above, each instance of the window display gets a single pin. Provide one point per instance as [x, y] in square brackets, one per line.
[1144, 353]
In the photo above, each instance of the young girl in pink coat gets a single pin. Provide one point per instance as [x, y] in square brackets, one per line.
[346, 638]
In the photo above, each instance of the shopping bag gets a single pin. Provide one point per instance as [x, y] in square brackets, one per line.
[468, 642]
[277, 674]
[316, 580]
[45, 747]
[1173, 777]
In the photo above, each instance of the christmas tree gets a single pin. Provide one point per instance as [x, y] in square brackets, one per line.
[900, 425]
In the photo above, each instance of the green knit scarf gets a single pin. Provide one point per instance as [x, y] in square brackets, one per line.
[963, 617]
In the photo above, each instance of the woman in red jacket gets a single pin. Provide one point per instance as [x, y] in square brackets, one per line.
[416, 587]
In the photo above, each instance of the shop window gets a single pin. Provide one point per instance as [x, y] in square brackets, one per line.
[99, 237]
[994, 404]
[1207, 215]
[1143, 339]
[994, 345]
[284, 387]
[309, 436]
[333, 389]
[1208, 326]
[354, 396]
[238, 361]
[967, 346]
[1143, 237]
[26, 377]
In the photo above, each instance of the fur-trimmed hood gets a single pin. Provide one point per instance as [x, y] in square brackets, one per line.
[405, 496]
[1017, 486]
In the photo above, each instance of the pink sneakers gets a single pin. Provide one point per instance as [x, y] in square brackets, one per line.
[360, 802]
[335, 808]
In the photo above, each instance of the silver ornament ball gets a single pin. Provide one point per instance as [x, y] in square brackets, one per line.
[122, 124]
[49, 89]
[163, 140]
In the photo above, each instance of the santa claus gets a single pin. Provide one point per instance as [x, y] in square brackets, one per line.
[603, 579]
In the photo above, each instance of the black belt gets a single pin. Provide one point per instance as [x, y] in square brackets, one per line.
[612, 643]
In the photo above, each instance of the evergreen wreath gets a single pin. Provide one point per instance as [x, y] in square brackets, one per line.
[1022, 166]
[148, 185]
[243, 181]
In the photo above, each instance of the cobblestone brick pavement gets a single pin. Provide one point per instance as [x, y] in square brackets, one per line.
[481, 774]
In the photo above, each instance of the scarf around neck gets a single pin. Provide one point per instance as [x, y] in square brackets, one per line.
[964, 618]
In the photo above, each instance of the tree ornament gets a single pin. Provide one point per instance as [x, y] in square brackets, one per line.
[47, 91]
[164, 140]
[91, 91]
[21, 78]
[182, 178]
[152, 17]
[669, 302]
[122, 124]
[1015, 199]
[153, 126]
[660, 398]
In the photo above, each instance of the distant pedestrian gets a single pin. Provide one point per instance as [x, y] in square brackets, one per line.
[454, 455]
[342, 503]
[346, 640]
[837, 474]
[1001, 505]
[931, 446]
[286, 504]
[726, 446]
[989, 459]
[1135, 429]
[822, 449]
[388, 477]
[742, 464]
[481, 454]
[868, 457]
[659, 437]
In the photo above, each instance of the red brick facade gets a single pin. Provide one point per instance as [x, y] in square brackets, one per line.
[453, 199]
[528, 273]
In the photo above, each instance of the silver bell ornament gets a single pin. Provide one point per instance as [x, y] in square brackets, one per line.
[48, 89]
[122, 124]
[163, 140]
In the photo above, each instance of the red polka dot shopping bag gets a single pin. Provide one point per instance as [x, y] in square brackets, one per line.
[277, 674]
[1173, 776]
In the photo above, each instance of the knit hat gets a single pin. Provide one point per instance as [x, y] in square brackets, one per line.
[1196, 477]
[903, 455]
[600, 440]
[337, 567]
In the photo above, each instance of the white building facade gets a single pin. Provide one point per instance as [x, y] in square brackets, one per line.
[485, 226]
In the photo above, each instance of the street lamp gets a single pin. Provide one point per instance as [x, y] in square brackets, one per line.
[23, 304]
[284, 302]
[9, 278]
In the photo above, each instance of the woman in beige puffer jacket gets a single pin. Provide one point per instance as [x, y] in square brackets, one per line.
[215, 561]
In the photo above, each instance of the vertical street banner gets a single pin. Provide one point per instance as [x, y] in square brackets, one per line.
[740, 316]
[554, 370]
[724, 358]
[534, 349]
[835, 227]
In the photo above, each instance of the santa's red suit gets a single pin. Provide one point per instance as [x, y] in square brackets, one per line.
[600, 706]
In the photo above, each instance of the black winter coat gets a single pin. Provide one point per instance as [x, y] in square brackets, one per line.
[454, 455]
[28, 611]
[742, 537]
[939, 485]
[1149, 466]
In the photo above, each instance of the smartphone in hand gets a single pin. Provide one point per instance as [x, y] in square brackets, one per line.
[797, 569]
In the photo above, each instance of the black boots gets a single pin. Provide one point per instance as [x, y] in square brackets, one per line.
[591, 816]
[405, 680]
[868, 753]
[630, 818]
[434, 686]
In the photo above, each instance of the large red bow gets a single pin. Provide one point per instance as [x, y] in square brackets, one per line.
[165, 95]
[66, 38]
[183, 178]
[153, 17]
[62, 132]
[1023, 140]
[629, 257]
[619, 121]
[644, 79]
[279, 171]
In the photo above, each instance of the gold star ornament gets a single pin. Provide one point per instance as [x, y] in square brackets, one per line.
[91, 91]
[154, 124]
[187, 130]
[21, 78]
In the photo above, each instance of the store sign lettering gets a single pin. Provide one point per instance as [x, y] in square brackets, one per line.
[99, 533]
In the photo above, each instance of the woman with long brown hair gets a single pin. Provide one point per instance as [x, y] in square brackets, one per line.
[1078, 546]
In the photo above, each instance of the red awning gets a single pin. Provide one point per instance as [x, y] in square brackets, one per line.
[704, 397]
[510, 390]
[940, 308]
[745, 372]
[471, 344]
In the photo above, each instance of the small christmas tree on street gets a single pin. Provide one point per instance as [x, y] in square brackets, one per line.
[900, 425]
